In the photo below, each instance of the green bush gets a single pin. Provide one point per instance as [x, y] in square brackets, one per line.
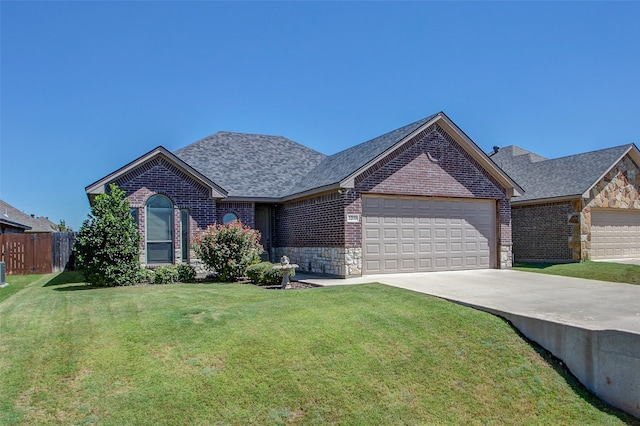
[186, 273]
[146, 275]
[263, 274]
[106, 250]
[228, 249]
[165, 275]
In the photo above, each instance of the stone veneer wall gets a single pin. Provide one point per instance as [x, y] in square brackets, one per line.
[338, 261]
[544, 232]
[618, 189]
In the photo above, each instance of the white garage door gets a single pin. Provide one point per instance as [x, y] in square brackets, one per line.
[416, 235]
[615, 234]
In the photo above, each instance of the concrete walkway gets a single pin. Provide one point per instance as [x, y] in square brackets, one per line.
[593, 326]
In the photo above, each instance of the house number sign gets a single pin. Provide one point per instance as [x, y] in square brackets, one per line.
[353, 218]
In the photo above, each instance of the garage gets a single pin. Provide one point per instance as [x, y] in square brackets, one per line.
[402, 234]
[615, 234]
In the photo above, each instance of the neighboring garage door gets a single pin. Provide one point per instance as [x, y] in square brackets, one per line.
[416, 234]
[615, 234]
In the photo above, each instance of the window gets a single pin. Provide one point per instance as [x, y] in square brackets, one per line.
[159, 230]
[134, 217]
[184, 232]
[229, 217]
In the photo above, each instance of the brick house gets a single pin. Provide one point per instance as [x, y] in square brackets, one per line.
[584, 206]
[423, 197]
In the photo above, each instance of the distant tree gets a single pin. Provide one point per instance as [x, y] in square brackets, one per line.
[62, 227]
[106, 248]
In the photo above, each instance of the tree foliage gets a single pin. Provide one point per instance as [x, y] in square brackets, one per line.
[107, 250]
[62, 227]
[228, 249]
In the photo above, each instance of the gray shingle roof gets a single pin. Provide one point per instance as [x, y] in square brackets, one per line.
[342, 164]
[30, 223]
[542, 178]
[250, 165]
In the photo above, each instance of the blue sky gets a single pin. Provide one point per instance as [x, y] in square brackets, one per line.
[86, 87]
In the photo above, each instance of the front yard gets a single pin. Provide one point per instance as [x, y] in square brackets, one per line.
[237, 354]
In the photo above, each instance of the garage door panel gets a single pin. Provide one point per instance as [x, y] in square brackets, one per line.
[424, 248]
[427, 234]
[390, 233]
[408, 248]
[372, 233]
[615, 234]
[390, 248]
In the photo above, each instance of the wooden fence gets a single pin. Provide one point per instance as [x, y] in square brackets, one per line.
[37, 253]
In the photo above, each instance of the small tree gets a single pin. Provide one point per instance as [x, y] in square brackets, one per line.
[228, 249]
[106, 248]
[62, 227]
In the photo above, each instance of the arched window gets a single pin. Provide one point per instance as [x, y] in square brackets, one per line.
[159, 230]
[229, 217]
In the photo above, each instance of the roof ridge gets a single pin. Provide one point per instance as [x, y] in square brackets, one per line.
[591, 152]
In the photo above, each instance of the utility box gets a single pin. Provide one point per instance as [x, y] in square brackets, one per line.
[2, 281]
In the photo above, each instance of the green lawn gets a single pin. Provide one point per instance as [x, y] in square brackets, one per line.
[203, 354]
[603, 271]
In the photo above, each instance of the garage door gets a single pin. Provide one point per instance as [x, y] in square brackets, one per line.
[416, 235]
[615, 234]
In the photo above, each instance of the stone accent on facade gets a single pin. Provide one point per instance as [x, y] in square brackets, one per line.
[561, 231]
[338, 261]
[618, 189]
[506, 256]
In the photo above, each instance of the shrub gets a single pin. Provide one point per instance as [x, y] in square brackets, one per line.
[263, 274]
[228, 249]
[165, 275]
[106, 249]
[146, 275]
[186, 273]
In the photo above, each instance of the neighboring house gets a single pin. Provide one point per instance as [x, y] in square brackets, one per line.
[423, 197]
[584, 206]
[13, 220]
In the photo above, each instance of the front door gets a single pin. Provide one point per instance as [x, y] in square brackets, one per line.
[263, 224]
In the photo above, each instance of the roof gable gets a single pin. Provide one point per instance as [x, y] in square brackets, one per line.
[99, 187]
[565, 177]
[341, 169]
[339, 166]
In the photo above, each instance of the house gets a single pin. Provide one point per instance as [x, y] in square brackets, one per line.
[583, 206]
[14, 221]
[423, 197]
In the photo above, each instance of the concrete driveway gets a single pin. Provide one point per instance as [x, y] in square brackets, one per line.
[593, 326]
[595, 305]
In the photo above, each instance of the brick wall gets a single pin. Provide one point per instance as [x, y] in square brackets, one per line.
[543, 232]
[244, 211]
[158, 176]
[312, 222]
[431, 164]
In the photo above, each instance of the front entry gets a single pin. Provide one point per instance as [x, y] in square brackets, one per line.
[263, 224]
